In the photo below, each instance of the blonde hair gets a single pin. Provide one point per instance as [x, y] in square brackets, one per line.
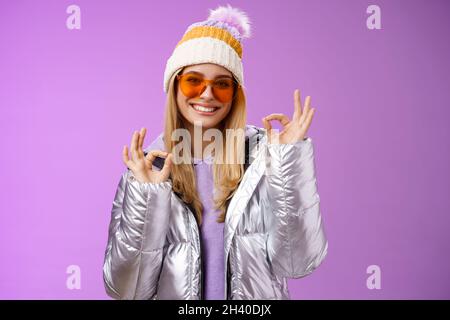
[226, 174]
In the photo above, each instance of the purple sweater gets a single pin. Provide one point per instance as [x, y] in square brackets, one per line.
[211, 233]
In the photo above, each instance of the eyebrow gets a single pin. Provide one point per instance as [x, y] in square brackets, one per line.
[219, 76]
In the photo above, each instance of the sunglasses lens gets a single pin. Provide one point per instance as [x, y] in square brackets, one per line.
[193, 85]
[223, 90]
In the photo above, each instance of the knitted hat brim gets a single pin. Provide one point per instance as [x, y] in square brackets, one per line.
[204, 50]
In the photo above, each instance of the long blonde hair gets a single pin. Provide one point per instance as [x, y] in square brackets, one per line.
[227, 176]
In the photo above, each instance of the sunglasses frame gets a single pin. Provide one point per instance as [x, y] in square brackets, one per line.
[210, 82]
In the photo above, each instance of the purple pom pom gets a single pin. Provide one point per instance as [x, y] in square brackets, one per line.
[232, 16]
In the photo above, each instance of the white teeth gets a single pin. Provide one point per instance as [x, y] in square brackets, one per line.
[203, 109]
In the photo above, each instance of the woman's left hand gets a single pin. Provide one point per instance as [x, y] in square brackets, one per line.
[293, 130]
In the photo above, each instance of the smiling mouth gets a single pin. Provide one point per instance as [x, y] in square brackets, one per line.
[203, 110]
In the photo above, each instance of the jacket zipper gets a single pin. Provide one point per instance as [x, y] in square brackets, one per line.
[202, 278]
[202, 275]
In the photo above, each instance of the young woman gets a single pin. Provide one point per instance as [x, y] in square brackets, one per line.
[214, 227]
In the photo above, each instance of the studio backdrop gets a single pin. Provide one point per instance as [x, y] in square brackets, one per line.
[78, 77]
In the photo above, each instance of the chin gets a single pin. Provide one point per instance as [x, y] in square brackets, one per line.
[206, 123]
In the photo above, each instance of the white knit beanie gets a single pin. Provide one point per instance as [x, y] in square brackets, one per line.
[215, 40]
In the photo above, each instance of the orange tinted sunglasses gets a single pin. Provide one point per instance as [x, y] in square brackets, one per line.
[192, 85]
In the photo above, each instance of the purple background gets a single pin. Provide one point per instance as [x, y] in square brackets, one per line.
[70, 100]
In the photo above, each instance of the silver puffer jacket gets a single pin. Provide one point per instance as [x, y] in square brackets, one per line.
[273, 230]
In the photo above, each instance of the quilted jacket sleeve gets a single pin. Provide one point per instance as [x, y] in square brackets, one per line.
[137, 233]
[296, 243]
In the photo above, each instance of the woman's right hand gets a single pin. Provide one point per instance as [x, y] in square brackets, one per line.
[141, 165]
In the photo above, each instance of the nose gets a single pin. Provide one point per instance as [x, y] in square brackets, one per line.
[207, 92]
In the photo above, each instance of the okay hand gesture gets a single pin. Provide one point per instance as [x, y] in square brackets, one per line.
[141, 165]
[293, 130]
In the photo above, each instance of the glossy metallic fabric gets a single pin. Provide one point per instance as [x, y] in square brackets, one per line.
[273, 231]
